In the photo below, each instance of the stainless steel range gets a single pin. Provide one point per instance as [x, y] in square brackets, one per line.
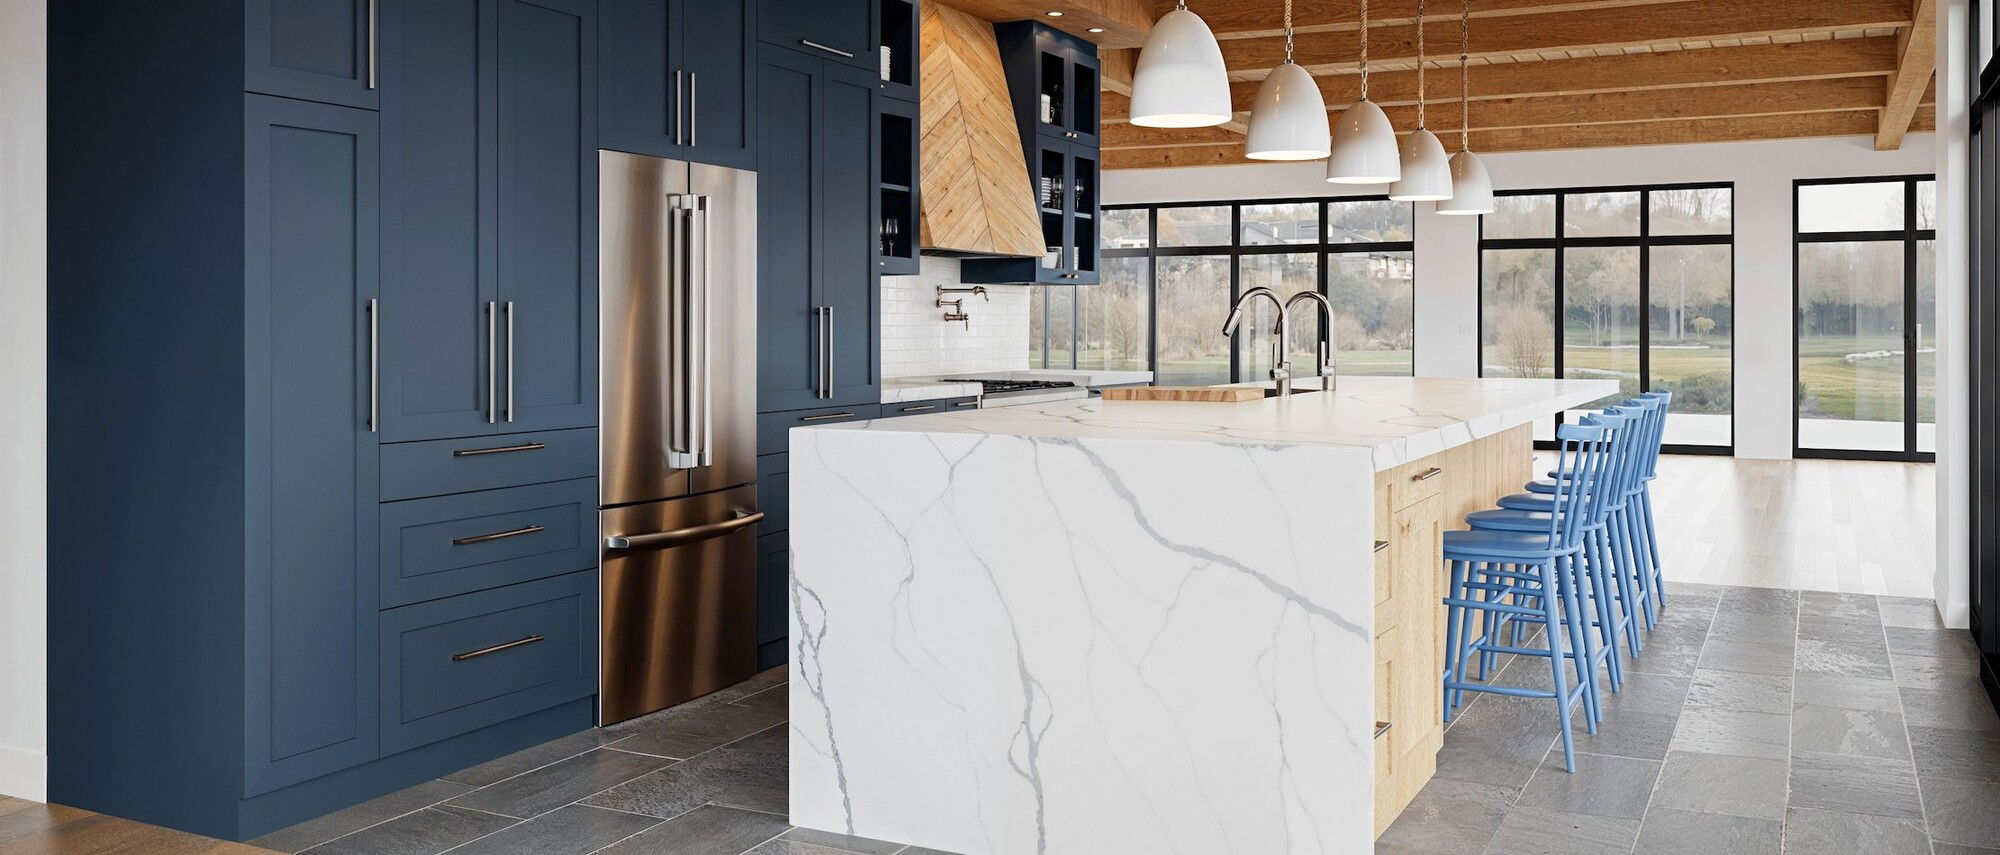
[1014, 393]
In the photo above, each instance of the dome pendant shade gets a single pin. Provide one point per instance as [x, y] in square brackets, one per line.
[1289, 121]
[1471, 187]
[1179, 81]
[1364, 147]
[1426, 171]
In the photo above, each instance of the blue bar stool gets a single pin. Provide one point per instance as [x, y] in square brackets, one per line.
[1499, 573]
[1613, 606]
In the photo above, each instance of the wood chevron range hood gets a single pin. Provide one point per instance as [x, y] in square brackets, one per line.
[977, 199]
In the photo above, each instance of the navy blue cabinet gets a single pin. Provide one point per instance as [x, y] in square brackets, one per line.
[310, 221]
[818, 220]
[318, 50]
[489, 172]
[1052, 81]
[678, 77]
[842, 31]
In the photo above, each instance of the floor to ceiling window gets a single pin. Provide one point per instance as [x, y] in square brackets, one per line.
[1171, 272]
[1634, 284]
[1865, 344]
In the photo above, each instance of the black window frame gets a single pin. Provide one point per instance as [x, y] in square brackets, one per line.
[1911, 237]
[1644, 241]
[1235, 250]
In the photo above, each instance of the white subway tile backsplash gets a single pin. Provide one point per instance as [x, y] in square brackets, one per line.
[917, 342]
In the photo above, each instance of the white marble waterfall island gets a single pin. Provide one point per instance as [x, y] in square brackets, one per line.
[1132, 627]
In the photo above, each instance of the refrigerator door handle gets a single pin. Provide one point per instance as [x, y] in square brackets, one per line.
[684, 536]
[686, 329]
[705, 373]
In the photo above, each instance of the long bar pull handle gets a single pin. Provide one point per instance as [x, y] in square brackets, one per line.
[488, 651]
[1382, 727]
[694, 111]
[1381, 545]
[498, 535]
[492, 362]
[475, 452]
[684, 536]
[966, 404]
[832, 50]
[829, 352]
[1427, 474]
[924, 408]
[678, 102]
[510, 361]
[826, 417]
[374, 365]
[701, 284]
[374, 40]
[819, 369]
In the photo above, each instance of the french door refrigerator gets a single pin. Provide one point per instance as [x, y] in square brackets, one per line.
[677, 445]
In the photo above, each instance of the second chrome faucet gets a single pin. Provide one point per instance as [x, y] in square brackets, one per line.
[1281, 367]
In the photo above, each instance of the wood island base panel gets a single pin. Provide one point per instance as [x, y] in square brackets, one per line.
[1144, 627]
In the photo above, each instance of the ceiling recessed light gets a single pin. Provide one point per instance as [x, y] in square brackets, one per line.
[1053, 14]
[1097, 29]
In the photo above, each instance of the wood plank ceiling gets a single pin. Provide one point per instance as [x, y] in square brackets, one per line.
[1546, 74]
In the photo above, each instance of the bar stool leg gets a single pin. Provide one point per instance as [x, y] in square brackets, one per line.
[1550, 583]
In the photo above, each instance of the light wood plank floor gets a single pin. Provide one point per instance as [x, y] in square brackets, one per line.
[1851, 526]
[31, 828]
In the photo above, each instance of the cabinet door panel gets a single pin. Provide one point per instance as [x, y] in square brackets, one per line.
[636, 89]
[842, 31]
[716, 50]
[849, 218]
[311, 463]
[438, 175]
[311, 49]
[547, 215]
[787, 330]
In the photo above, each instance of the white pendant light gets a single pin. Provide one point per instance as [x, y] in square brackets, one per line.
[1179, 81]
[1426, 172]
[1289, 121]
[1364, 143]
[1471, 186]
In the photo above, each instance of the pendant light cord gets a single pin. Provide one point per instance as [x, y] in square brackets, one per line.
[1364, 50]
[1465, 78]
[1420, 65]
[1288, 31]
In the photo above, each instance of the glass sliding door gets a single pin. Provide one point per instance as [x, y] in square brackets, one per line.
[1864, 298]
[1632, 284]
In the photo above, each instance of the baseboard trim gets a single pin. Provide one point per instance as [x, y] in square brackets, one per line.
[24, 774]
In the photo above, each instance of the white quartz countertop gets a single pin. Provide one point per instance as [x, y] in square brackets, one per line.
[1397, 419]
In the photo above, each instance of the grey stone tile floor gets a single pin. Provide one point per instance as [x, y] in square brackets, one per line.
[1755, 721]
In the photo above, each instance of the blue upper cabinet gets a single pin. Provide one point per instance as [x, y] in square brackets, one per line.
[844, 31]
[311, 462]
[677, 77]
[818, 212]
[489, 237]
[317, 50]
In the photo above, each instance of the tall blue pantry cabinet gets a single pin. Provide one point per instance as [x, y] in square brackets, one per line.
[322, 318]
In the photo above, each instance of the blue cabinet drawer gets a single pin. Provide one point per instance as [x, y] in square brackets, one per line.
[449, 545]
[773, 428]
[413, 470]
[453, 666]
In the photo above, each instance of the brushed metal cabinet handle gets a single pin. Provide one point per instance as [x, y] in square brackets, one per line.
[966, 404]
[1381, 545]
[374, 41]
[694, 116]
[920, 409]
[510, 361]
[475, 452]
[1427, 474]
[826, 416]
[681, 537]
[1382, 727]
[492, 363]
[487, 651]
[374, 366]
[498, 535]
[829, 352]
[679, 105]
[832, 50]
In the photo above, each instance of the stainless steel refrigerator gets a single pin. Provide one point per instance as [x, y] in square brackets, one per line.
[677, 448]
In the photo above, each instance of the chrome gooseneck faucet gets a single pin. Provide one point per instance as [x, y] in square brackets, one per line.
[1281, 367]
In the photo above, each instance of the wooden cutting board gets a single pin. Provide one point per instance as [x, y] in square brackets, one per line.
[1210, 394]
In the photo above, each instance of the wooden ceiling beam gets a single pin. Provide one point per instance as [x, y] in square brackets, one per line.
[1237, 19]
[1680, 131]
[1753, 99]
[1821, 60]
[1916, 51]
[1125, 22]
[1622, 27]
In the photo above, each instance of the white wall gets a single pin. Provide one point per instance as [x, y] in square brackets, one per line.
[1953, 580]
[23, 399]
[918, 342]
[1447, 247]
